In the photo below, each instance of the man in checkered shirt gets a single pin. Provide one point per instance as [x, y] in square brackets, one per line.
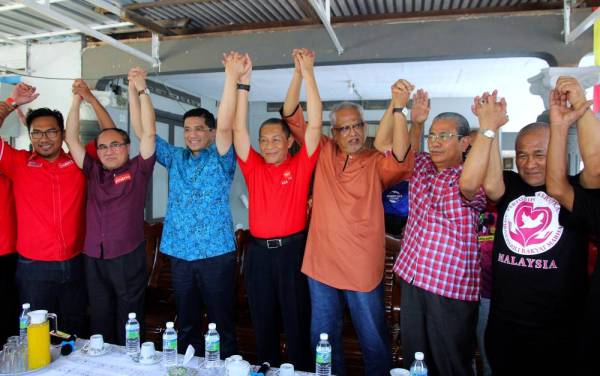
[439, 260]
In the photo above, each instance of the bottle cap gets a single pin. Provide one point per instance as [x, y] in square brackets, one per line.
[419, 356]
[170, 325]
[212, 326]
[26, 306]
[132, 315]
[324, 337]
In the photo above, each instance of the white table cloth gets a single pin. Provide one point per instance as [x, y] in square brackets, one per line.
[117, 363]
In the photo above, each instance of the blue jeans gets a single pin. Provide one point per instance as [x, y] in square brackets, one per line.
[205, 284]
[367, 310]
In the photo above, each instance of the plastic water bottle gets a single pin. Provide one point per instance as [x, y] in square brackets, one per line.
[24, 322]
[170, 346]
[323, 367]
[418, 367]
[212, 347]
[132, 336]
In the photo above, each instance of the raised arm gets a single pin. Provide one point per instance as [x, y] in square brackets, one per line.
[561, 118]
[234, 66]
[292, 98]
[241, 137]
[148, 117]
[314, 107]
[588, 130]
[400, 139]
[385, 132]
[491, 113]
[21, 94]
[76, 149]
[419, 113]
[82, 89]
[135, 107]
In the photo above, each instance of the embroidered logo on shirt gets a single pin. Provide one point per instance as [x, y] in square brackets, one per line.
[531, 224]
[65, 164]
[33, 164]
[122, 178]
[286, 177]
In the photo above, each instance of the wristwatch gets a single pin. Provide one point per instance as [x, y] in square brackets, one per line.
[488, 133]
[145, 91]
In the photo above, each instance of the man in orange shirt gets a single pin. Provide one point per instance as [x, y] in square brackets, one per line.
[344, 256]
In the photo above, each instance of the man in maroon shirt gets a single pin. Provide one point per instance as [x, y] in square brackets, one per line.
[114, 242]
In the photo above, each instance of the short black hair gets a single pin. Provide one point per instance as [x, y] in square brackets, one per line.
[123, 134]
[200, 112]
[44, 111]
[462, 124]
[284, 126]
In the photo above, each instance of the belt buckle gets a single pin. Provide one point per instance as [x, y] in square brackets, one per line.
[273, 243]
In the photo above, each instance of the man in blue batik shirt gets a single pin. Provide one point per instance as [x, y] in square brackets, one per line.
[198, 230]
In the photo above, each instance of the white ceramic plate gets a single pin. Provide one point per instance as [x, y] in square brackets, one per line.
[87, 351]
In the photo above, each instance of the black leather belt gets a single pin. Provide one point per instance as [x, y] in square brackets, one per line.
[278, 242]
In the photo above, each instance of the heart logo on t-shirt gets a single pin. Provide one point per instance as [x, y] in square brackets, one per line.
[531, 224]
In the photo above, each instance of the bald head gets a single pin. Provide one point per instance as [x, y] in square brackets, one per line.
[531, 147]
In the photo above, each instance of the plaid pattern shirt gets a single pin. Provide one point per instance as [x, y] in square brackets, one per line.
[439, 250]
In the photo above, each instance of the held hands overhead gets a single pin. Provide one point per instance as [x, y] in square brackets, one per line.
[567, 102]
[137, 79]
[490, 110]
[401, 90]
[81, 91]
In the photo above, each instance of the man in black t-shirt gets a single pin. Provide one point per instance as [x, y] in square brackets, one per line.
[580, 198]
[538, 265]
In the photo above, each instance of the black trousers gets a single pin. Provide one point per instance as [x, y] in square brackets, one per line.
[116, 287]
[278, 292]
[441, 328]
[209, 284]
[56, 286]
[517, 350]
[9, 313]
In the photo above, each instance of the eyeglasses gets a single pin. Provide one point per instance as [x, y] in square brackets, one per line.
[346, 129]
[199, 129]
[443, 137]
[52, 134]
[114, 147]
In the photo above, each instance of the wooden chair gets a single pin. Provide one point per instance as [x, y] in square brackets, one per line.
[160, 303]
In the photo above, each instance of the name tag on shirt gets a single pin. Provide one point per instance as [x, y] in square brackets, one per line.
[122, 178]
[66, 164]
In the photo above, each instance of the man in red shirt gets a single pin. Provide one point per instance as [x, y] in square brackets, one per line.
[49, 192]
[8, 261]
[277, 183]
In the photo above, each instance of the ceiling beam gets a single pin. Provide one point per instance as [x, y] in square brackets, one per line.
[131, 16]
[162, 3]
[116, 25]
[323, 10]
[53, 14]
[571, 35]
[16, 6]
[146, 23]
[308, 10]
